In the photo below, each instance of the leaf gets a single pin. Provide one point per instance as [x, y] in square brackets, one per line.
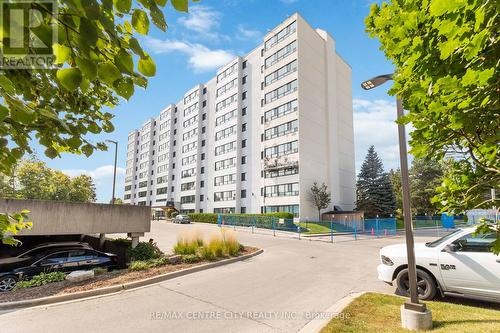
[70, 78]
[140, 21]
[158, 18]
[91, 8]
[62, 53]
[87, 67]
[161, 3]
[108, 72]
[51, 152]
[147, 66]
[4, 112]
[88, 32]
[136, 47]
[124, 87]
[180, 5]
[123, 6]
[123, 60]
[439, 7]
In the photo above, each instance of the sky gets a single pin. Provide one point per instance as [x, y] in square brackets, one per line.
[213, 33]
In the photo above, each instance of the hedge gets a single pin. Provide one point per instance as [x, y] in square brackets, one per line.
[212, 217]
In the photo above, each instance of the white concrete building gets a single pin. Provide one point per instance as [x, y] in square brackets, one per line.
[255, 137]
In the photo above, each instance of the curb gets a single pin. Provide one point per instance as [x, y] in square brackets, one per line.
[316, 325]
[122, 287]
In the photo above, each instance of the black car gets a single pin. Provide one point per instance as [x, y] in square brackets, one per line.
[65, 259]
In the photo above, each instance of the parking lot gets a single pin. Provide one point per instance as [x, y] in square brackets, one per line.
[278, 290]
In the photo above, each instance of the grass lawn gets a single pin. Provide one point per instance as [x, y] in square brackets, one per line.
[320, 227]
[380, 313]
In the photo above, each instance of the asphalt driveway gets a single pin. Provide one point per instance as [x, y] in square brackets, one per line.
[278, 291]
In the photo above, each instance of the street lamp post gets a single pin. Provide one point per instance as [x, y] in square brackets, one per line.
[114, 170]
[413, 304]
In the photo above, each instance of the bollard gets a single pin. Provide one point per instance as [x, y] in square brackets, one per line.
[331, 231]
[355, 231]
[298, 230]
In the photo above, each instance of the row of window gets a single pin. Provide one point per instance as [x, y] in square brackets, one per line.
[190, 121]
[228, 86]
[226, 148]
[164, 125]
[189, 134]
[282, 190]
[281, 172]
[191, 96]
[164, 136]
[225, 164]
[225, 133]
[225, 117]
[281, 73]
[188, 173]
[225, 196]
[282, 149]
[280, 130]
[226, 102]
[162, 168]
[189, 146]
[227, 72]
[281, 110]
[281, 91]
[189, 159]
[281, 54]
[188, 186]
[190, 109]
[282, 34]
[225, 180]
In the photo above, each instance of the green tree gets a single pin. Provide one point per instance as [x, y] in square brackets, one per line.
[374, 191]
[82, 189]
[97, 60]
[34, 179]
[446, 58]
[425, 177]
[320, 197]
[395, 177]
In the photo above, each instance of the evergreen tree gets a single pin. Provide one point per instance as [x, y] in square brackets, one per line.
[425, 178]
[374, 191]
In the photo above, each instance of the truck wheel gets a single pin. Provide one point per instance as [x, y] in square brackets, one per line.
[426, 286]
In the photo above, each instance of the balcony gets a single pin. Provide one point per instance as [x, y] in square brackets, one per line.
[283, 162]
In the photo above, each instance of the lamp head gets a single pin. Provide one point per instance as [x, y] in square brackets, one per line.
[376, 81]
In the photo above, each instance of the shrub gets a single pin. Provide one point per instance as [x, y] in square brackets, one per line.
[100, 270]
[41, 279]
[231, 245]
[141, 265]
[122, 241]
[188, 242]
[212, 217]
[144, 251]
[190, 258]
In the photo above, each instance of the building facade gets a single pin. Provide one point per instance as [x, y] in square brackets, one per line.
[256, 136]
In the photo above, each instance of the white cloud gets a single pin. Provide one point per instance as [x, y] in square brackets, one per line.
[103, 179]
[203, 20]
[374, 124]
[201, 58]
[244, 33]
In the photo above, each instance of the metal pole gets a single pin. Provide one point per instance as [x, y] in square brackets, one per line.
[114, 172]
[410, 247]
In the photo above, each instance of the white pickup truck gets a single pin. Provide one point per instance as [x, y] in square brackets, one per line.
[458, 264]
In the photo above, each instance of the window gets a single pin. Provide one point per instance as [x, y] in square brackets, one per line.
[244, 127]
[190, 97]
[281, 35]
[244, 65]
[224, 210]
[202, 183]
[243, 143]
[294, 209]
[188, 199]
[243, 176]
[244, 96]
[225, 196]
[281, 54]
[188, 173]
[202, 156]
[128, 187]
[244, 80]
[244, 111]
[189, 160]
[188, 186]
[190, 121]
[225, 164]
[226, 103]
[202, 197]
[204, 91]
[162, 190]
[243, 194]
[162, 179]
[202, 170]
[280, 92]
[203, 143]
[225, 148]
[190, 109]
[281, 110]
[203, 129]
[227, 72]
[162, 168]
[292, 170]
[189, 134]
[243, 159]
[143, 184]
[282, 149]
[282, 190]
[225, 117]
[204, 103]
[280, 130]
[281, 73]
[189, 146]
[475, 243]
[243, 210]
[142, 194]
[225, 180]
[225, 88]
[204, 116]
[225, 133]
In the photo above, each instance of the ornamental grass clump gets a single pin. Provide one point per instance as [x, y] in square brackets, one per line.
[188, 242]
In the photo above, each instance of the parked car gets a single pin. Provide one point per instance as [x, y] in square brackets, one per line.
[180, 218]
[53, 258]
[47, 246]
[458, 264]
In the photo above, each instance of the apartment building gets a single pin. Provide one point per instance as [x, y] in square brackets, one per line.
[256, 136]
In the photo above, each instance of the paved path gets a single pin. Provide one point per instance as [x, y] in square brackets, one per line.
[276, 291]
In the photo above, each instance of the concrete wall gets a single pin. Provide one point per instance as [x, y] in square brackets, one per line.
[66, 218]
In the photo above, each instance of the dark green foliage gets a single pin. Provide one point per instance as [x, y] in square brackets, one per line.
[140, 265]
[144, 251]
[191, 258]
[374, 192]
[212, 217]
[425, 177]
